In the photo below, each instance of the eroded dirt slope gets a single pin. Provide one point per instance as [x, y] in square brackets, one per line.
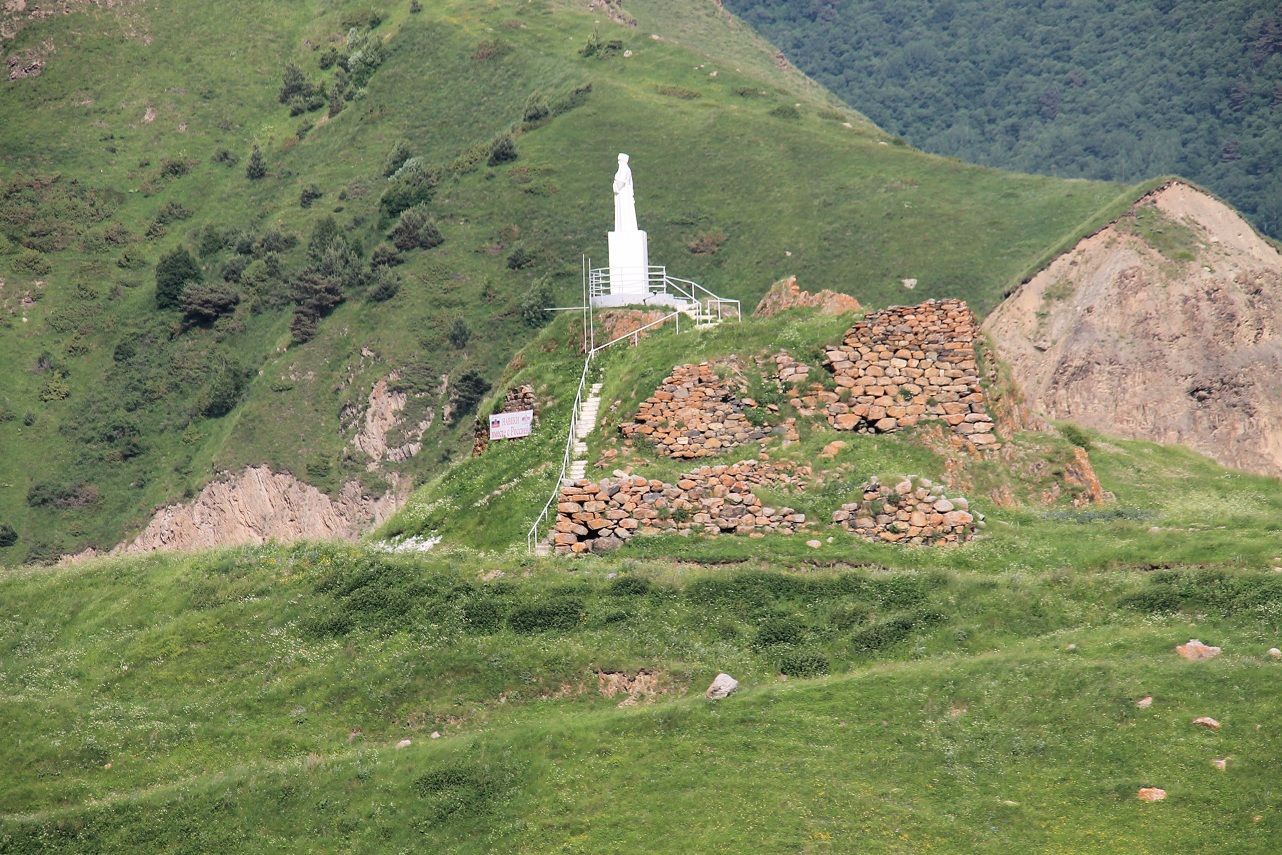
[1165, 325]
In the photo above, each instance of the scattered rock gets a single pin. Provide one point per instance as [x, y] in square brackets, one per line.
[1275, 653]
[1145, 702]
[1207, 722]
[813, 544]
[1151, 794]
[1072, 648]
[436, 734]
[830, 450]
[1221, 763]
[1196, 651]
[405, 743]
[721, 687]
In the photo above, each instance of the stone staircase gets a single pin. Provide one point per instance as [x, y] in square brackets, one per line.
[584, 425]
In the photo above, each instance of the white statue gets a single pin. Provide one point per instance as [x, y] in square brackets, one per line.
[629, 280]
[625, 207]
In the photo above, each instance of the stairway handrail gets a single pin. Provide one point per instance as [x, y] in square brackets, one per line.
[567, 455]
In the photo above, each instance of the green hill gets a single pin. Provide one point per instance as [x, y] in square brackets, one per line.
[136, 140]
[1093, 89]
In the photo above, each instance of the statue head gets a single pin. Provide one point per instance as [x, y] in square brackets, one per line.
[623, 159]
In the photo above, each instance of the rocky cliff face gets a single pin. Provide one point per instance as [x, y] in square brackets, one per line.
[258, 505]
[1165, 325]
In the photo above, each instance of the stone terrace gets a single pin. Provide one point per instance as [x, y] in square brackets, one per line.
[906, 363]
[600, 515]
[914, 511]
[694, 413]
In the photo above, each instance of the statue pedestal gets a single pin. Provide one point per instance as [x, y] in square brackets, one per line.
[629, 269]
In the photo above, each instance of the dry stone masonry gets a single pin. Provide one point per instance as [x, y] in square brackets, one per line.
[914, 511]
[906, 363]
[695, 413]
[598, 516]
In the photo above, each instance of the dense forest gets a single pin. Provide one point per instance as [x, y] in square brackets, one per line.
[1074, 88]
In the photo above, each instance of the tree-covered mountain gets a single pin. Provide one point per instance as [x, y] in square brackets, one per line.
[1090, 88]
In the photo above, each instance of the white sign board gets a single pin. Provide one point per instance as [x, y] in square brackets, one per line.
[511, 425]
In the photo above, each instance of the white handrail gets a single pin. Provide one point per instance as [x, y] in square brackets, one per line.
[532, 537]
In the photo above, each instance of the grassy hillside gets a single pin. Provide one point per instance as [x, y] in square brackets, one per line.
[252, 700]
[137, 137]
[1092, 89]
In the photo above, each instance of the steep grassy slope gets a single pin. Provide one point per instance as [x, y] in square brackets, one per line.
[1094, 89]
[252, 700]
[113, 406]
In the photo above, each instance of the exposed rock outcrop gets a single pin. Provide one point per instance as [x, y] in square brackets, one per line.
[1166, 325]
[258, 505]
[786, 294]
[378, 424]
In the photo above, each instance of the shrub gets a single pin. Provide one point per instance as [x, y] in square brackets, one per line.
[46, 494]
[415, 7]
[784, 630]
[680, 92]
[328, 57]
[502, 150]
[413, 184]
[384, 285]
[385, 255]
[325, 234]
[30, 261]
[489, 49]
[8, 536]
[205, 303]
[365, 54]
[482, 615]
[786, 111]
[468, 391]
[460, 790]
[294, 84]
[396, 159]
[1076, 435]
[234, 269]
[303, 325]
[536, 109]
[335, 103]
[630, 586]
[536, 304]
[222, 390]
[803, 663]
[600, 48]
[519, 258]
[309, 194]
[884, 633]
[256, 169]
[174, 168]
[225, 157]
[562, 613]
[459, 334]
[172, 212]
[416, 230]
[173, 272]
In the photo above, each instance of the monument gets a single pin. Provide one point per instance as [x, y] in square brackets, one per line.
[629, 246]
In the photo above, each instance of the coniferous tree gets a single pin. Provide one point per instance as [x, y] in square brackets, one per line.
[256, 169]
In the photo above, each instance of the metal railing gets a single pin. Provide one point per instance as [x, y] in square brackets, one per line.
[532, 537]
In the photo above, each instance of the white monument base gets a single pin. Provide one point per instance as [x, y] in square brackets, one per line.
[629, 268]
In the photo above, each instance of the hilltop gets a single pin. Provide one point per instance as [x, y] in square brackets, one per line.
[337, 346]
